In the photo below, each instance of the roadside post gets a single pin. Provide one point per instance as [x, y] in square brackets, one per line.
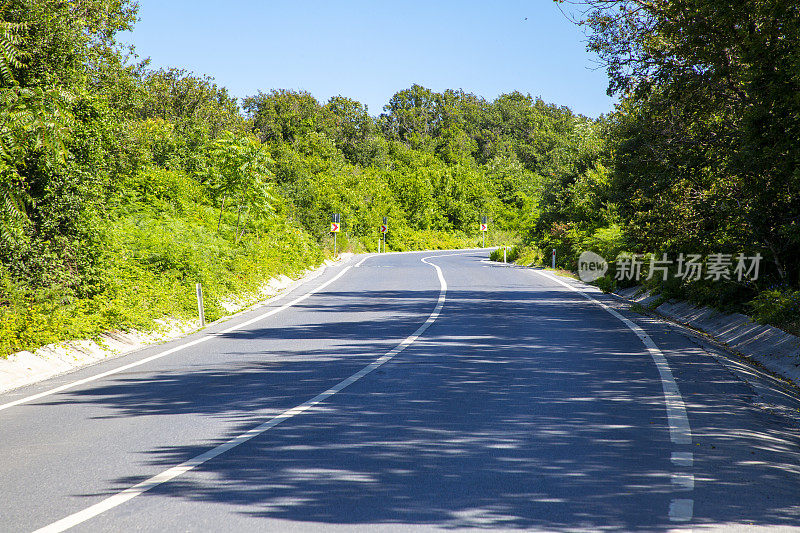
[504, 254]
[198, 288]
[554, 258]
[335, 226]
[484, 227]
[384, 230]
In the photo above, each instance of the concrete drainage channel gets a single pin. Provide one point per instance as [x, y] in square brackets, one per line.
[26, 368]
[767, 346]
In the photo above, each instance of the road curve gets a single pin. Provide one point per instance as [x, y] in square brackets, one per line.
[410, 392]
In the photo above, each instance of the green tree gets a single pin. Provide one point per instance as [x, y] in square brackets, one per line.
[352, 129]
[283, 115]
[716, 84]
[240, 171]
[411, 116]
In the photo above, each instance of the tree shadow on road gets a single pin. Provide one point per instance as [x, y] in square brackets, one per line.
[537, 412]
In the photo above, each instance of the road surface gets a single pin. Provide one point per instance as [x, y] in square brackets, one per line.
[410, 392]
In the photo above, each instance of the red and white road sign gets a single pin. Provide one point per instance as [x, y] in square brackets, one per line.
[334, 227]
[384, 228]
[484, 227]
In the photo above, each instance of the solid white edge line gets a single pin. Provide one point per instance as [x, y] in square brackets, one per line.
[360, 262]
[679, 428]
[171, 473]
[159, 355]
[680, 510]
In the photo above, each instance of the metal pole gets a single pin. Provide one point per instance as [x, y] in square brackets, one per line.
[554, 258]
[483, 233]
[334, 245]
[200, 310]
[384, 243]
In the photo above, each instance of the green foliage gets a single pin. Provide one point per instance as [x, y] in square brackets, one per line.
[780, 307]
[196, 110]
[283, 116]
[9, 51]
[195, 105]
[152, 263]
[511, 254]
[121, 187]
[162, 189]
[606, 283]
[530, 255]
[699, 157]
[608, 242]
[353, 131]
[239, 169]
[705, 151]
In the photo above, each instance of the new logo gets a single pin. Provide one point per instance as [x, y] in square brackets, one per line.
[591, 266]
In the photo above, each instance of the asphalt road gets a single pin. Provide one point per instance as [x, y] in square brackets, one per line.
[402, 395]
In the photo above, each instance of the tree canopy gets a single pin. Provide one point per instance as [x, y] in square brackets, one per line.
[119, 182]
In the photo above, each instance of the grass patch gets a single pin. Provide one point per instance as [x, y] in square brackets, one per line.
[563, 273]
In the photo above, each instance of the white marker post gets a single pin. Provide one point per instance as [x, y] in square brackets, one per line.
[384, 230]
[335, 226]
[504, 254]
[554, 258]
[200, 309]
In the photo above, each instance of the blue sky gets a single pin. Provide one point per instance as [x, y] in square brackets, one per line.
[368, 50]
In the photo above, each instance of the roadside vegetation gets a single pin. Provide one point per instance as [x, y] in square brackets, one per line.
[700, 157]
[121, 186]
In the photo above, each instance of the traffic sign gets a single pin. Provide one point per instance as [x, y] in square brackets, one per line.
[484, 227]
[384, 228]
[334, 227]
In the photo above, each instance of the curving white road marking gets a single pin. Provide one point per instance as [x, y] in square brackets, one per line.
[680, 510]
[171, 473]
[362, 261]
[679, 429]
